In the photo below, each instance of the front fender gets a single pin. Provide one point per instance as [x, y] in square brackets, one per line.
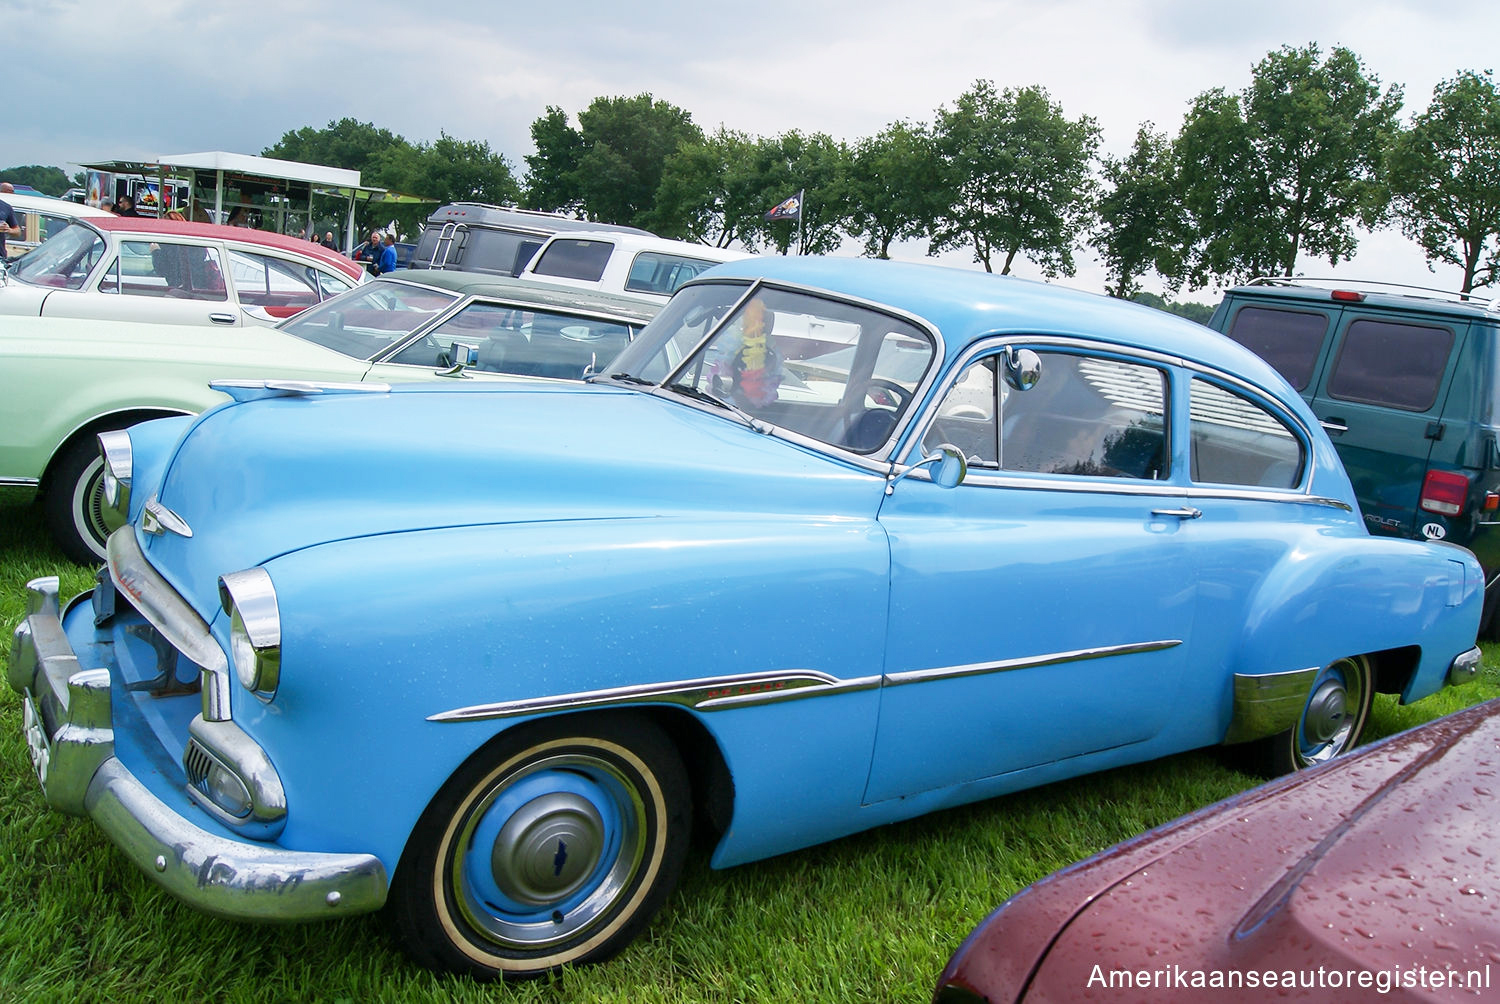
[380, 635]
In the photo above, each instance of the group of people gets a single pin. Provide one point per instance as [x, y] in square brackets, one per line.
[378, 253]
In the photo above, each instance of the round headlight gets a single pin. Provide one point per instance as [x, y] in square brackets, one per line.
[254, 630]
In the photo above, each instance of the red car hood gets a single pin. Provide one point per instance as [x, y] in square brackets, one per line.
[1383, 862]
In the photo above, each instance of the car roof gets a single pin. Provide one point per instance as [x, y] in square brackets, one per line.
[47, 204]
[1373, 294]
[629, 242]
[968, 304]
[519, 219]
[214, 231]
[526, 291]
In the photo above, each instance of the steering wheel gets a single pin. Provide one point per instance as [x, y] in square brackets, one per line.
[897, 394]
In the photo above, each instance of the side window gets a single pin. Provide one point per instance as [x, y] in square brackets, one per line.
[1289, 340]
[1088, 416]
[1237, 442]
[575, 259]
[176, 271]
[966, 418]
[266, 281]
[1395, 365]
[654, 272]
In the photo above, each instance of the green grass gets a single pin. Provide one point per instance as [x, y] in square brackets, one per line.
[870, 918]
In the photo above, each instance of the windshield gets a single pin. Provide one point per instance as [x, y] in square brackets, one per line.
[62, 260]
[835, 372]
[369, 319]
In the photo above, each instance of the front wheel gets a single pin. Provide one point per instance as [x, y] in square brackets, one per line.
[73, 502]
[1332, 719]
[553, 845]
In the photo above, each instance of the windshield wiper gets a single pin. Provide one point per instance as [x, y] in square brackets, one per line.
[622, 378]
[699, 394]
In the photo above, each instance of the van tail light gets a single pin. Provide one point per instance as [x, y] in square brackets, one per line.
[1491, 501]
[1347, 296]
[1443, 492]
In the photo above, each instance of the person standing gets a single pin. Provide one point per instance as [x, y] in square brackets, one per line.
[370, 249]
[387, 256]
[8, 224]
[125, 206]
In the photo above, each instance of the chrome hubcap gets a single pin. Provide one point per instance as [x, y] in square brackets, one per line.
[1327, 710]
[548, 848]
[547, 851]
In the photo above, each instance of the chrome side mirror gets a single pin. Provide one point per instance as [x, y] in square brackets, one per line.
[463, 355]
[1023, 368]
[949, 468]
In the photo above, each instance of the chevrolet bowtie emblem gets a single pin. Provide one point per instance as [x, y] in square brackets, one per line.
[157, 519]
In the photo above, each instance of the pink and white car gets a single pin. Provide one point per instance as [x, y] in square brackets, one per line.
[170, 272]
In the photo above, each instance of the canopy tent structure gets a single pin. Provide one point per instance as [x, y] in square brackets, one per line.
[217, 183]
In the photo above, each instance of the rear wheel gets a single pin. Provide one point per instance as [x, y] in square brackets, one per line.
[1332, 719]
[73, 502]
[554, 845]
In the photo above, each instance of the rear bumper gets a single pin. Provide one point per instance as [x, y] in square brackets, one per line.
[68, 722]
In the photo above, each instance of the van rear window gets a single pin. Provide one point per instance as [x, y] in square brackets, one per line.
[571, 258]
[1395, 365]
[1289, 340]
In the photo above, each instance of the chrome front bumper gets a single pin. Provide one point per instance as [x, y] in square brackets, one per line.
[69, 728]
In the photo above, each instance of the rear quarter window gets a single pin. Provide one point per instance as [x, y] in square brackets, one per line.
[1289, 340]
[574, 259]
[1389, 364]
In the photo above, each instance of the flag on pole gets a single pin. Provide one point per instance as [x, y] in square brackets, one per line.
[791, 209]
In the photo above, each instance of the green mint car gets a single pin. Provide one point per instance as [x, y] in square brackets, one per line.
[64, 381]
[1408, 386]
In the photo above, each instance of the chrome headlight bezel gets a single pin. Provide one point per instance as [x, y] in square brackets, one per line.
[119, 462]
[249, 598]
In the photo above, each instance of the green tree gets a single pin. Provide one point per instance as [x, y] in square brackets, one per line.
[1017, 177]
[48, 180]
[711, 191]
[1141, 222]
[895, 187]
[816, 165]
[354, 146]
[447, 170]
[347, 143]
[1199, 312]
[1287, 167]
[552, 181]
[610, 167]
[1445, 178]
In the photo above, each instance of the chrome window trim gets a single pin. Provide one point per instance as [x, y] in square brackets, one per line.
[162, 607]
[1025, 662]
[876, 460]
[1179, 483]
[713, 693]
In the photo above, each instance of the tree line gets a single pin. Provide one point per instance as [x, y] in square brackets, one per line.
[1252, 183]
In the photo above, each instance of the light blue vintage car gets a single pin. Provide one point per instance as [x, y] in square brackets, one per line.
[832, 544]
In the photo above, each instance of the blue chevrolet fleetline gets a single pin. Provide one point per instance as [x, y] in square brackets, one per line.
[832, 544]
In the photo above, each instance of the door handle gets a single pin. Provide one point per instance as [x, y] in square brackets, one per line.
[221, 318]
[1186, 512]
[1334, 425]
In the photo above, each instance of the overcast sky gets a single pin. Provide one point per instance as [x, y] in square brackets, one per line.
[100, 81]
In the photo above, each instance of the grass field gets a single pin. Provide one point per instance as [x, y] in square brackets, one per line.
[869, 918]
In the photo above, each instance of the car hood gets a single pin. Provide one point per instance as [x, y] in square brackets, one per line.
[258, 479]
[1384, 861]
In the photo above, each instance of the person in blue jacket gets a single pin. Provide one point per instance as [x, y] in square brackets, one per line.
[387, 256]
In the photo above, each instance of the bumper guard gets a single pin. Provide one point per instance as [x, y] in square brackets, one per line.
[68, 726]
